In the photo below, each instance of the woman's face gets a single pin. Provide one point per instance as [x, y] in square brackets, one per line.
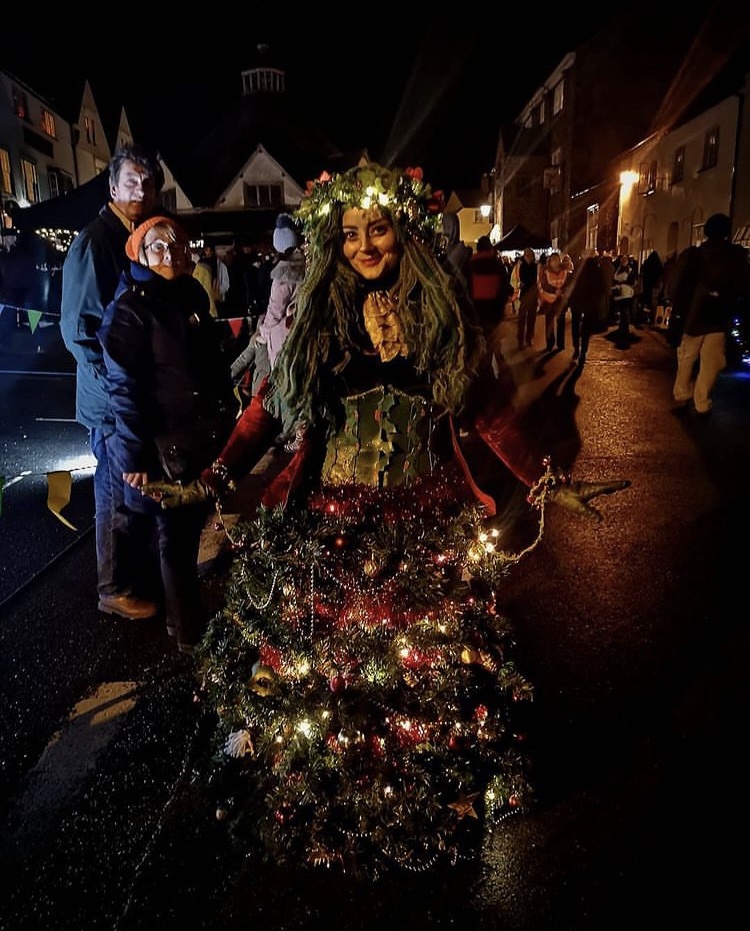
[166, 251]
[370, 244]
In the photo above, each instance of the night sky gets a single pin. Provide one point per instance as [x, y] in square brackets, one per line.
[412, 89]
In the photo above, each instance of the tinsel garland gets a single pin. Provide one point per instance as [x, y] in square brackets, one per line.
[366, 700]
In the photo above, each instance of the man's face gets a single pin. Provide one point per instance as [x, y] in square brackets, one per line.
[370, 244]
[135, 192]
[166, 251]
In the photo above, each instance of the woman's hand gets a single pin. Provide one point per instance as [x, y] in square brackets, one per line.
[175, 494]
[135, 479]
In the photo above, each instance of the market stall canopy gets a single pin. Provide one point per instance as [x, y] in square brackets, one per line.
[71, 211]
[519, 238]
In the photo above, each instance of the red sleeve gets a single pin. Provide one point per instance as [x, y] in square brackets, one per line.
[502, 432]
[249, 441]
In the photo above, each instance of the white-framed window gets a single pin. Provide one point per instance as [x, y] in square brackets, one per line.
[6, 178]
[647, 174]
[558, 97]
[30, 181]
[592, 227]
[48, 123]
[710, 149]
[59, 182]
[263, 195]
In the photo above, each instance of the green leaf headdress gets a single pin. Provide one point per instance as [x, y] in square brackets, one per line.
[402, 193]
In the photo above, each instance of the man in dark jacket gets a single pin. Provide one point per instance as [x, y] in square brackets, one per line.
[91, 272]
[711, 287]
[489, 283]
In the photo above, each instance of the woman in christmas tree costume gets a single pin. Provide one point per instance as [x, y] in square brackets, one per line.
[359, 673]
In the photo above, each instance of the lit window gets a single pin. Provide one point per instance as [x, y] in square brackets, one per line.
[6, 179]
[30, 181]
[48, 123]
[20, 104]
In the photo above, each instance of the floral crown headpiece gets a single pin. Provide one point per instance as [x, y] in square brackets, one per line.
[404, 194]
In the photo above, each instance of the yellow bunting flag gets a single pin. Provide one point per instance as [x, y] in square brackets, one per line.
[34, 317]
[59, 485]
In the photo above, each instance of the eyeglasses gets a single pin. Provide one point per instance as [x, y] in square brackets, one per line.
[160, 248]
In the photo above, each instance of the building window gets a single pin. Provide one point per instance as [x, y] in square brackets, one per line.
[541, 112]
[710, 149]
[678, 166]
[20, 104]
[647, 177]
[558, 97]
[263, 195]
[6, 179]
[59, 182]
[89, 130]
[263, 80]
[30, 181]
[592, 227]
[48, 123]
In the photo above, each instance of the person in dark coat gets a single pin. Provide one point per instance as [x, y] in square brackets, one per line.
[489, 283]
[711, 289]
[528, 298]
[90, 275]
[588, 290]
[172, 399]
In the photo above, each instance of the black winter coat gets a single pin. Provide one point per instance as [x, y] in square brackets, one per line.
[166, 372]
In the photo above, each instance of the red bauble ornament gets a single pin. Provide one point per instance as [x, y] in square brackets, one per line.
[337, 683]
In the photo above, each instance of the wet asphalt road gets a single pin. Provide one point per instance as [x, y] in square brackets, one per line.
[632, 631]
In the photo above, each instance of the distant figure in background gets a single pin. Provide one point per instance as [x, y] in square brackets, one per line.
[651, 285]
[711, 287]
[566, 262]
[553, 279]
[489, 283]
[90, 275]
[624, 279]
[286, 276]
[250, 367]
[219, 276]
[202, 273]
[457, 253]
[240, 296]
[588, 291]
[527, 271]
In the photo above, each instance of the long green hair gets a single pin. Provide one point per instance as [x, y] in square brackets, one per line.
[444, 342]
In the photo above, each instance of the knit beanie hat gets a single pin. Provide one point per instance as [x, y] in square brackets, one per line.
[133, 245]
[285, 235]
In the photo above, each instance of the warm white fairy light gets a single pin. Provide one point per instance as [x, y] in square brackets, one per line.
[305, 727]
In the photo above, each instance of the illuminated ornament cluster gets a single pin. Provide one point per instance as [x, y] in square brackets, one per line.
[59, 239]
[402, 194]
[367, 699]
